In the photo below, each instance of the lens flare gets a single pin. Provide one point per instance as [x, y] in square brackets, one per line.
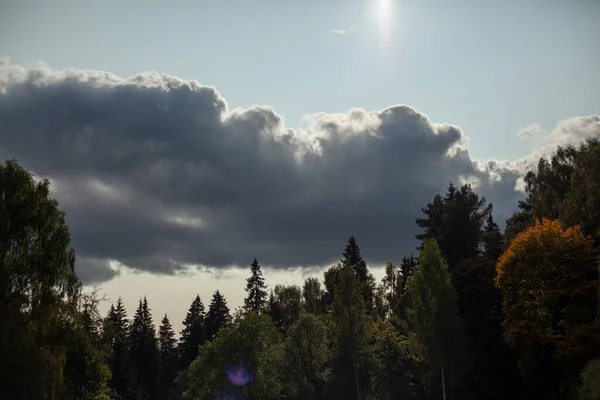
[239, 375]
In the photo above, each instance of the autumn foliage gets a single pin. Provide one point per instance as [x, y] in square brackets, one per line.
[549, 279]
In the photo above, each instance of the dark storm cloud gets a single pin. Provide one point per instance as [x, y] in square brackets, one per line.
[155, 172]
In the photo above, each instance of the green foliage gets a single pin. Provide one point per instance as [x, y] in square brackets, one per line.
[434, 317]
[115, 337]
[143, 348]
[352, 258]
[193, 333]
[350, 324]
[167, 352]
[256, 289]
[250, 340]
[388, 363]
[285, 306]
[565, 187]
[433, 328]
[313, 296]
[39, 295]
[307, 357]
[217, 316]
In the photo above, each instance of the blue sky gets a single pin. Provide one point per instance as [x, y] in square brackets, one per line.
[489, 68]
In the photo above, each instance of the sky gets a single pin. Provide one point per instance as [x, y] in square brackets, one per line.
[208, 133]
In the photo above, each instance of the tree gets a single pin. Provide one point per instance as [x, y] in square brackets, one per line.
[115, 336]
[256, 289]
[564, 186]
[193, 333]
[217, 316]
[286, 305]
[388, 363]
[352, 258]
[549, 280]
[590, 381]
[331, 279]
[39, 290]
[167, 358]
[434, 317]
[307, 357]
[409, 263]
[86, 373]
[491, 366]
[459, 211]
[350, 323]
[144, 353]
[249, 346]
[492, 239]
[392, 288]
[580, 205]
[313, 296]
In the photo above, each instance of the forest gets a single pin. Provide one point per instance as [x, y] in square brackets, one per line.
[475, 313]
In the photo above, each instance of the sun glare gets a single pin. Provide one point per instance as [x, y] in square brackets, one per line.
[383, 12]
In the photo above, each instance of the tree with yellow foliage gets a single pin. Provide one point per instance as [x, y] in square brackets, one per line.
[549, 280]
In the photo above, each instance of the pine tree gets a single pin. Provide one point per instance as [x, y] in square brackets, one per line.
[167, 358]
[194, 332]
[115, 336]
[144, 353]
[217, 316]
[256, 289]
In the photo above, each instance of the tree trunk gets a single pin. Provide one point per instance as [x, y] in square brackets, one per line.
[443, 382]
[356, 378]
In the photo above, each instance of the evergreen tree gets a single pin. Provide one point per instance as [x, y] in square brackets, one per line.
[456, 223]
[218, 315]
[193, 333]
[256, 289]
[144, 354]
[115, 336]
[353, 259]
[167, 358]
[409, 263]
[492, 239]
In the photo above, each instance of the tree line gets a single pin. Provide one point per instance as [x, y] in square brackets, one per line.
[475, 313]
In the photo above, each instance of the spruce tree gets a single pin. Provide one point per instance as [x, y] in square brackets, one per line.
[194, 332]
[115, 336]
[492, 239]
[217, 316]
[144, 354]
[353, 259]
[256, 289]
[409, 263]
[167, 358]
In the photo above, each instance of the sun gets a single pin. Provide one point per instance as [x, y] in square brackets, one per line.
[383, 13]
